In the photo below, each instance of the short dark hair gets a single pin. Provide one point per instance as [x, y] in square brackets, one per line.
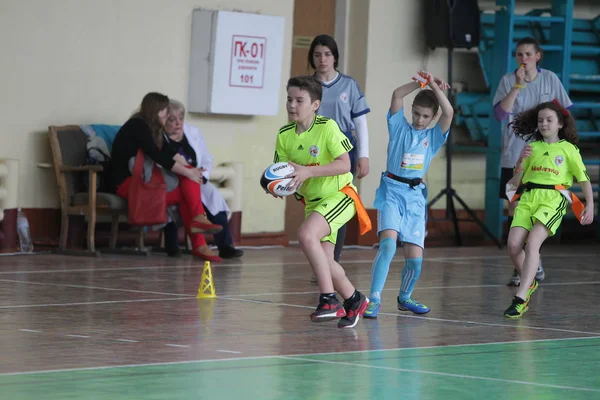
[427, 99]
[327, 41]
[308, 83]
[535, 43]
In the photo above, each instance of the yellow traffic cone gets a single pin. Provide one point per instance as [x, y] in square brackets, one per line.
[206, 290]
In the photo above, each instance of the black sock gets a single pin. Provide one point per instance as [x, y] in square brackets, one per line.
[521, 300]
[327, 296]
[354, 298]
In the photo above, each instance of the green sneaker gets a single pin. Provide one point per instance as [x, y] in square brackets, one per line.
[411, 305]
[531, 289]
[517, 308]
[372, 310]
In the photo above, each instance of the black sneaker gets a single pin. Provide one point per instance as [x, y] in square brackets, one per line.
[230, 252]
[354, 312]
[171, 235]
[517, 308]
[328, 309]
[173, 252]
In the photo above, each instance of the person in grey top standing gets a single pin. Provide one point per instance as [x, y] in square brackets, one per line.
[344, 102]
[519, 91]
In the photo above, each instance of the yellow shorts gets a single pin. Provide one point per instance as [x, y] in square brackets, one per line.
[337, 209]
[540, 205]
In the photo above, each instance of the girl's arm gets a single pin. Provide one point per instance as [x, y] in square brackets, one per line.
[180, 160]
[193, 174]
[588, 213]
[577, 168]
[516, 179]
[520, 167]
[362, 134]
[508, 102]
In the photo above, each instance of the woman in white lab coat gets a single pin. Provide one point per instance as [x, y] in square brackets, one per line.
[187, 143]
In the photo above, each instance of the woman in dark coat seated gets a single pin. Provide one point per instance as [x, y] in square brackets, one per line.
[144, 131]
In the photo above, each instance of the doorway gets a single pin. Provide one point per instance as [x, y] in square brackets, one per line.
[311, 18]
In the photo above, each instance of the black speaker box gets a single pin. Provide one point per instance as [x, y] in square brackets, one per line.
[452, 23]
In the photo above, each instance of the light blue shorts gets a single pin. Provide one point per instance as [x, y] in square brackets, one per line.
[402, 209]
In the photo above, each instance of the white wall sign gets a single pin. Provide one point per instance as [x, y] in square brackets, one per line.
[247, 61]
[235, 64]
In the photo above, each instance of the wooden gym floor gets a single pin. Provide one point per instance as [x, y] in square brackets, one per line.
[131, 328]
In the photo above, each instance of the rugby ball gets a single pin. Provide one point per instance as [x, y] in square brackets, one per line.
[274, 180]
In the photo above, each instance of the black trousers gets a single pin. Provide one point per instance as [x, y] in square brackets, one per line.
[341, 236]
[222, 239]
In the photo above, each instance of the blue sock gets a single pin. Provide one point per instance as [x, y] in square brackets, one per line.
[410, 276]
[381, 266]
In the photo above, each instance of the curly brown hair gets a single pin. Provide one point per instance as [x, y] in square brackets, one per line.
[525, 125]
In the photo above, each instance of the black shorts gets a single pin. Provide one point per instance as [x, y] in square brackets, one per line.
[505, 176]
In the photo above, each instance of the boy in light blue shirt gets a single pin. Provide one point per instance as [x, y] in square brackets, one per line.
[401, 198]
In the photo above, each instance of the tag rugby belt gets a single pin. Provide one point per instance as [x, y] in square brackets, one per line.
[412, 182]
[576, 205]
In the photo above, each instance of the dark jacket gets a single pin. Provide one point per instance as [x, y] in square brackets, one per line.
[133, 135]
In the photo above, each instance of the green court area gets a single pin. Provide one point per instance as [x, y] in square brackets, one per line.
[552, 369]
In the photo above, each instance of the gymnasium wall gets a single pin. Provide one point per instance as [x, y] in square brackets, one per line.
[91, 61]
[395, 51]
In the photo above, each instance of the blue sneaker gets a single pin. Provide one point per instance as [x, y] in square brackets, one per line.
[411, 305]
[372, 310]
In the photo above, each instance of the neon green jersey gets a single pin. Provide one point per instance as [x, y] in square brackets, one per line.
[322, 143]
[554, 164]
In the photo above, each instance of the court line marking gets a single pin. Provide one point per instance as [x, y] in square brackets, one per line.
[418, 288]
[178, 345]
[229, 351]
[183, 297]
[447, 374]
[221, 265]
[30, 330]
[474, 262]
[95, 287]
[399, 259]
[103, 367]
[508, 264]
[87, 337]
[454, 321]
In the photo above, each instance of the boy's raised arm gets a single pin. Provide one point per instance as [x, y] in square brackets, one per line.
[399, 94]
[447, 109]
